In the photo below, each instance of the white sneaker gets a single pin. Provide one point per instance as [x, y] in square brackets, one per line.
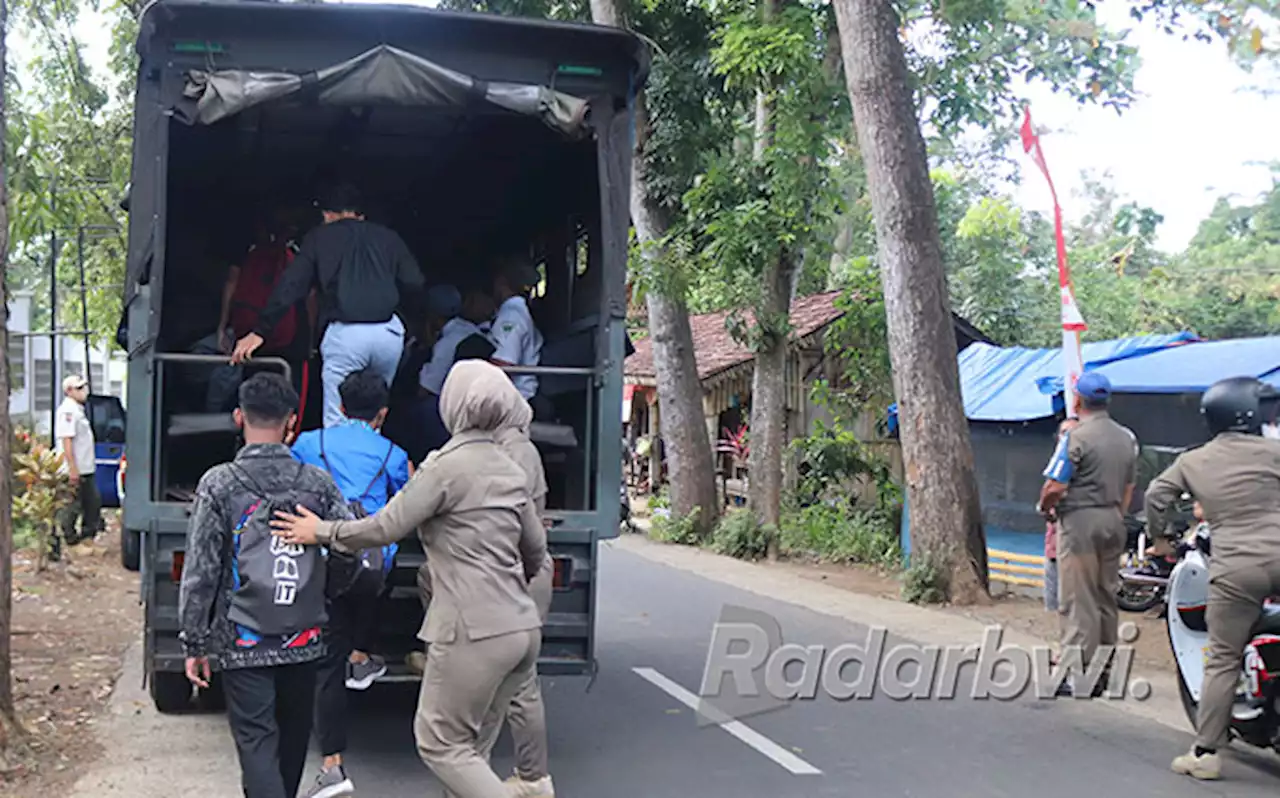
[519, 788]
[1205, 767]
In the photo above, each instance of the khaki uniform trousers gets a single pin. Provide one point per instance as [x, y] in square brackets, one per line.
[1235, 604]
[524, 711]
[1089, 550]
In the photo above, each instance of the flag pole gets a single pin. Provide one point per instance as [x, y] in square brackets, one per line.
[1072, 322]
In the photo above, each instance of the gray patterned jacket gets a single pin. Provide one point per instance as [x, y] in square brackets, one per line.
[207, 579]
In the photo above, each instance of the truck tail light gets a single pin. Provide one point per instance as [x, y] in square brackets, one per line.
[563, 574]
[175, 571]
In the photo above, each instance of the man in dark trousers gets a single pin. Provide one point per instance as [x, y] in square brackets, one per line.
[1088, 487]
[362, 271]
[250, 608]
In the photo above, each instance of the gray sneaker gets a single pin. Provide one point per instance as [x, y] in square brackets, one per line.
[331, 783]
[362, 675]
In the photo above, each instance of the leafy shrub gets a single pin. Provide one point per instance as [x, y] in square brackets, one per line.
[682, 530]
[738, 535]
[45, 489]
[837, 535]
[925, 582]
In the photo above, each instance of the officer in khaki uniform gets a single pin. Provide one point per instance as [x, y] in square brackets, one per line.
[1088, 487]
[526, 713]
[1236, 479]
[484, 543]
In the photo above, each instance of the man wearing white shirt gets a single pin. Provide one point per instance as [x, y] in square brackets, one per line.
[515, 337]
[74, 437]
[466, 318]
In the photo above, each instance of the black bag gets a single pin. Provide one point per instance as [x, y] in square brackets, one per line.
[364, 288]
[279, 587]
[363, 573]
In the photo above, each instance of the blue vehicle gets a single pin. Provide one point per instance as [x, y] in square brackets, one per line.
[108, 420]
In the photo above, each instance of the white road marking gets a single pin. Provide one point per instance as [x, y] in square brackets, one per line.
[764, 745]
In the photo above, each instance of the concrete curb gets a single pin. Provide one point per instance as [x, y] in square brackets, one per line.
[902, 619]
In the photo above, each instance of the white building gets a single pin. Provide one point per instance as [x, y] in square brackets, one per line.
[35, 378]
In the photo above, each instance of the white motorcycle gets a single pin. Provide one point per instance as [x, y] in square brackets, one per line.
[1255, 717]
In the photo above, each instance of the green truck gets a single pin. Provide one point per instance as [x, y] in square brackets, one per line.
[470, 134]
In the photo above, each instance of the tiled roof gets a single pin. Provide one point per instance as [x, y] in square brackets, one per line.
[716, 350]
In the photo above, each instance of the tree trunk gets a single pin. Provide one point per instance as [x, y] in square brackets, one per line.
[9, 726]
[691, 466]
[942, 490]
[768, 428]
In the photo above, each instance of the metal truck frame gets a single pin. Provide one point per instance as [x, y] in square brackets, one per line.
[202, 64]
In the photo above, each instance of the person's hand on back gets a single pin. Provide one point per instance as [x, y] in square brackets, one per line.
[245, 348]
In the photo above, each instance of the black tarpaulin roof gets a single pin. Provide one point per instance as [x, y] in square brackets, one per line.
[384, 75]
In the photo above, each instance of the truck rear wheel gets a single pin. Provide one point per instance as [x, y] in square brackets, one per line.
[170, 692]
[130, 549]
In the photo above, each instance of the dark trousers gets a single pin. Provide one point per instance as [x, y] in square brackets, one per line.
[87, 506]
[352, 623]
[270, 711]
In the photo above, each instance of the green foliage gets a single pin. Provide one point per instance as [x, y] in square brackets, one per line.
[831, 458]
[739, 535]
[681, 530]
[45, 489]
[926, 581]
[69, 142]
[837, 535]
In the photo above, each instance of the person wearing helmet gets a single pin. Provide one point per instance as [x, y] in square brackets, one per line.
[1236, 479]
[1088, 487]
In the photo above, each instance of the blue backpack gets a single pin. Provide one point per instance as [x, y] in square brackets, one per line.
[366, 572]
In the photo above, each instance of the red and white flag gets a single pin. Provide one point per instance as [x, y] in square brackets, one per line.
[1072, 322]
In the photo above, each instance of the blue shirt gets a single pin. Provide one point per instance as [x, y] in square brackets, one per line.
[355, 452]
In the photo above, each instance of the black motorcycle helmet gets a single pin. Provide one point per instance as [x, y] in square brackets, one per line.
[1237, 404]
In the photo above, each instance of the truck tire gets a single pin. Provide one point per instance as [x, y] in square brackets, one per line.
[170, 692]
[211, 698]
[130, 549]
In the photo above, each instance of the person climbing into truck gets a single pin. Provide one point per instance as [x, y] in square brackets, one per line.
[362, 272]
[250, 608]
[369, 470]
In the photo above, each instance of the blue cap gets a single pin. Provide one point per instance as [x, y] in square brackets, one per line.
[1093, 385]
[444, 301]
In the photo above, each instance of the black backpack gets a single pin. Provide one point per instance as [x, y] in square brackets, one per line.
[364, 287]
[279, 588]
[364, 573]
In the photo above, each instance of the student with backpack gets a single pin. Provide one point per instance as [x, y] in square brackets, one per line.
[251, 608]
[369, 470]
[363, 273]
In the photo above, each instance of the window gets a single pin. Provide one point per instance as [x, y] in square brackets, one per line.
[17, 364]
[98, 377]
[117, 388]
[43, 384]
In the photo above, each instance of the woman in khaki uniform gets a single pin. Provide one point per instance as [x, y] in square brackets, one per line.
[484, 542]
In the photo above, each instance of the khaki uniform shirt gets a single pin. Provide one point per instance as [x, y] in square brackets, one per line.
[1103, 457]
[1236, 479]
[482, 535]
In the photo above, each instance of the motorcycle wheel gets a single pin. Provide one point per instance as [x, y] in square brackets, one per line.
[1136, 598]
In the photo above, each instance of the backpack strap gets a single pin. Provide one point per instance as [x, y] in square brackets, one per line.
[382, 469]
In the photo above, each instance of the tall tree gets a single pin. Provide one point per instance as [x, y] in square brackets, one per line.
[941, 485]
[9, 725]
[684, 431]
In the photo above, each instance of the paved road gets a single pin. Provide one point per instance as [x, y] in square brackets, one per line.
[630, 736]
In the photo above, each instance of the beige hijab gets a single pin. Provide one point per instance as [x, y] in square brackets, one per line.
[479, 396]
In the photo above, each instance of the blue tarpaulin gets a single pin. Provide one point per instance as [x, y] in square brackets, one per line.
[1010, 383]
[1194, 367]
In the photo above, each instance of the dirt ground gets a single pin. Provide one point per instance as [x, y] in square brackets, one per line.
[71, 627]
